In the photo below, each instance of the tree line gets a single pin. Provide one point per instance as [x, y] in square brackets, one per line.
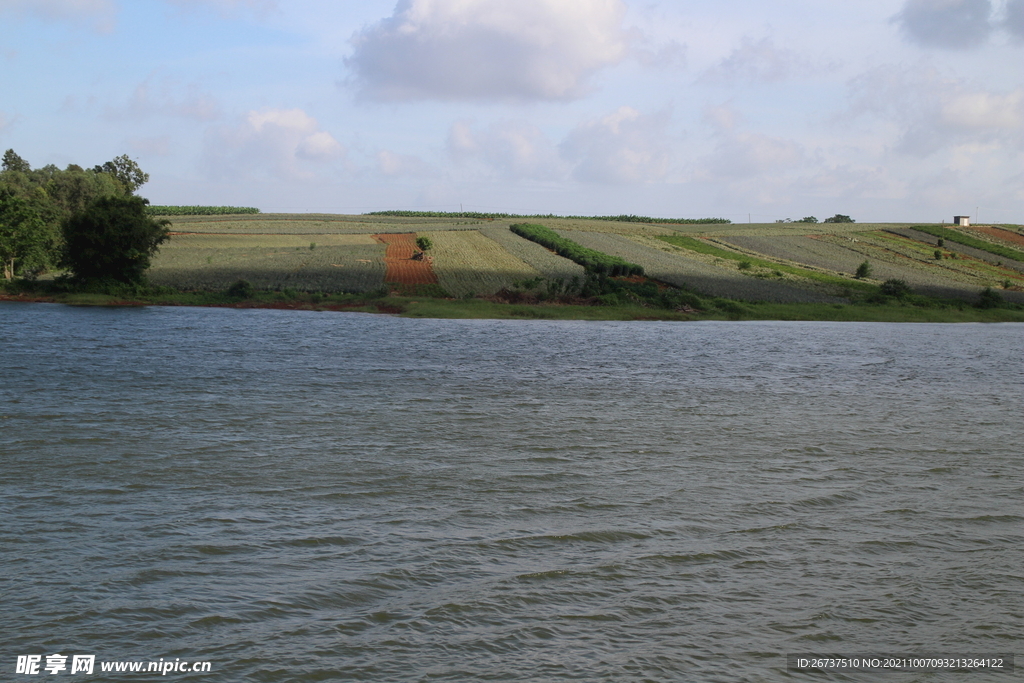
[88, 221]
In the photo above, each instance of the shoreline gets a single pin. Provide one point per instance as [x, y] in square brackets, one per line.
[479, 308]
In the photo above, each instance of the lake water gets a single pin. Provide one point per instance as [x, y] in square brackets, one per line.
[298, 496]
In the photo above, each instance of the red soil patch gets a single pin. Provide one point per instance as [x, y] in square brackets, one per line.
[1000, 234]
[401, 267]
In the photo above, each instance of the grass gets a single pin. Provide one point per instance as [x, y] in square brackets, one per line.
[913, 309]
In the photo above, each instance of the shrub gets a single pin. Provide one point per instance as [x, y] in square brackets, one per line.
[989, 298]
[894, 287]
[745, 265]
[942, 242]
[863, 271]
[594, 261]
[241, 289]
[938, 255]
[424, 243]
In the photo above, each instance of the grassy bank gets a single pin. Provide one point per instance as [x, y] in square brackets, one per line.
[917, 309]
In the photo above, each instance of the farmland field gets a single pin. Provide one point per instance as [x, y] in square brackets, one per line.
[681, 270]
[467, 263]
[339, 263]
[815, 262]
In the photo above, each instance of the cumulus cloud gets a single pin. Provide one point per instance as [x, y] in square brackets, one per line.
[623, 147]
[99, 13]
[482, 49]
[760, 61]
[515, 149]
[950, 24]
[278, 142]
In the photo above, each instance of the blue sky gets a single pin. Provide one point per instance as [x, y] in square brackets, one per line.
[902, 111]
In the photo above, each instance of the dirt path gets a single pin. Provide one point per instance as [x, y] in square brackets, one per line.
[401, 268]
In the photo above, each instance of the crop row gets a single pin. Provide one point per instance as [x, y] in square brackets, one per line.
[183, 264]
[592, 260]
[551, 266]
[467, 263]
[678, 269]
[199, 210]
[957, 236]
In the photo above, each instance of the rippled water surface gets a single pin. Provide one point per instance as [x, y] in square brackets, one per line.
[300, 496]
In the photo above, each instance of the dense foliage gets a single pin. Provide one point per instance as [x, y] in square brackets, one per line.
[968, 241]
[594, 261]
[839, 218]
[199, 210]
[624, 218]
[112, 239]
[34, 203]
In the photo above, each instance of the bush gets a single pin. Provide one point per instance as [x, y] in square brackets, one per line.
[242, 289]
[594, 261]
[424, 243]
[989, 298]
[863, 271]
[938, 255]
[895, 288]
[112, 239]
[745, 265]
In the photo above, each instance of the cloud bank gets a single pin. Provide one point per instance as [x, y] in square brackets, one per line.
[480, 49]
[274, 142]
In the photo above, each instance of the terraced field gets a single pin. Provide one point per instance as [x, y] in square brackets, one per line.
[468, 263]
[314, 224]
[694, 272]
[475, 256]
[550, 265]
[337, 263]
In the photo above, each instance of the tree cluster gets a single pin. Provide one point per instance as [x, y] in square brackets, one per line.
[86, 220]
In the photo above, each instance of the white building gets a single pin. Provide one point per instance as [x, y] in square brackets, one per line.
[963, 221]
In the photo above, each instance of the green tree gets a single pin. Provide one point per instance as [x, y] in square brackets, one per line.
[126, 171]
[13, 162]
[113, 239]
[839, 218]
[28, 241]
[863, 271]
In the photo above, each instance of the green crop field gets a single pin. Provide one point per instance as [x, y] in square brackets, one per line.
[467, 263]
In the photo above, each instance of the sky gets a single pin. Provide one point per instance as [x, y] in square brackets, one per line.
[743, 109]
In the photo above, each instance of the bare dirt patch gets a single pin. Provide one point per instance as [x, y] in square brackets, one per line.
[399, 263]
[1000, 234]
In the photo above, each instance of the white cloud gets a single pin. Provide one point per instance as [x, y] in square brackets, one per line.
[623, 147]
[99, 13]
[515, 149]
[950, 24]
[484, 49]
[759, 61]
[277, 142]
